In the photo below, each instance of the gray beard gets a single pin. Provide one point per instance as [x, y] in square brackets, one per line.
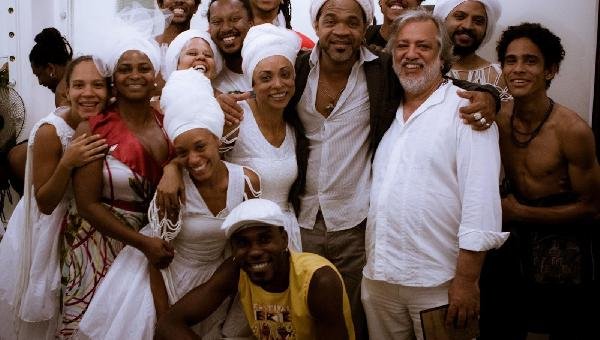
[418, 85]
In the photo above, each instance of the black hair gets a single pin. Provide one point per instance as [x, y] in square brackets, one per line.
[548, 43]
[286, 9]
[362, 10]
[245, 4]
[50, 48]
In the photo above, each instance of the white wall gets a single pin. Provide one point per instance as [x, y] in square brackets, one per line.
[576, 23]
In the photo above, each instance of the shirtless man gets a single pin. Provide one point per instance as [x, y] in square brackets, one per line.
[554, 183]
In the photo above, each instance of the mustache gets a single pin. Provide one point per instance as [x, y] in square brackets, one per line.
[466, 31]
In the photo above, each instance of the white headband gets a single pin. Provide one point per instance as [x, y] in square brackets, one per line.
[366, 5]
[176, 47]
[268, 40]
[492, 8]
[188, 102]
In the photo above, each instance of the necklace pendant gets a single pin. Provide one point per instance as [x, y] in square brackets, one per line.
[329, 108]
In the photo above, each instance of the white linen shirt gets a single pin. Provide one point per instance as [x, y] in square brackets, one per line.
[338, 175]
[435, 190]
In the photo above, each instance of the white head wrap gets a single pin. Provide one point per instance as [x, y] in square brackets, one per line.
[176, 47]
[188, 102]
[492, 8]
[265, 41]
[366, 5]
[133, 28]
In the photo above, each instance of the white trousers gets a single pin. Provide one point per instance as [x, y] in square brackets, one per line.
[393, 310]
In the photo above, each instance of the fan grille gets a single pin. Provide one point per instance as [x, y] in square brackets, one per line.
[12, 116]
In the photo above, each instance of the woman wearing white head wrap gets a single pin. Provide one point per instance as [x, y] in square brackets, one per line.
[193, 48]
[113, 194]
[133, 294]
[263, 140]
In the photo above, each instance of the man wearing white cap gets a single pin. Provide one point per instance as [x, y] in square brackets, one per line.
[346, 98]
[285, 295]
[471, 23]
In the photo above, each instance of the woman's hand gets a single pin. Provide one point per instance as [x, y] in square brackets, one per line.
[83, 150]
[159, 252]
[170, 192]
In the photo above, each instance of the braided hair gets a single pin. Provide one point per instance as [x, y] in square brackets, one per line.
[286, 9]
[50, 48]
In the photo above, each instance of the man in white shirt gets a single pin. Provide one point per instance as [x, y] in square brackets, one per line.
[435, 207]
[471, 23]
[228, 24]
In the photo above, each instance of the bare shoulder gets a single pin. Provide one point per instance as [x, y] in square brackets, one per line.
[83, 127]
[254, 182]
[503, 117]
[47, 136]
[570, 124]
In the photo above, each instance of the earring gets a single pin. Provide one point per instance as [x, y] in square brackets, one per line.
[155, 85]
[51, 75]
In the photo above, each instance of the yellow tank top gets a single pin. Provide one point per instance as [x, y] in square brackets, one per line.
[286, 315]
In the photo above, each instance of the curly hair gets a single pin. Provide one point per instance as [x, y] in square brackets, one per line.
[50, 48]
[548, 43]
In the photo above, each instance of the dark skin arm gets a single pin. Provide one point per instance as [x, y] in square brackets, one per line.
[325, 302]
[88, 184]
[198, 304]
[52, 169]
[159, 292]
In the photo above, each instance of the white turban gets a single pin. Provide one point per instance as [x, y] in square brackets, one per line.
[366, 5]
[188, 102]
[265, 41]
[492, 9]
[177, 45]
[132, 29]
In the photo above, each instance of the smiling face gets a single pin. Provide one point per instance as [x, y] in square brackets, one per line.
[524, 70]
[466, 26]
[273, 82]
[134, 76]
[341, 28]
[197, 150]
[391, 9]
[260, 251]
[87, 90]
[197, 54]
[229, 23]
[416, 56]
[182, 10]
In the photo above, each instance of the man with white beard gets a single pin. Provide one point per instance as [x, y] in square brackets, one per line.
[435, 207]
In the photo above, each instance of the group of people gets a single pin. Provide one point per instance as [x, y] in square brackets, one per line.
[246, 182]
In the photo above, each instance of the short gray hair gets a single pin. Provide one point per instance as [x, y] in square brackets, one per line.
[422, 15]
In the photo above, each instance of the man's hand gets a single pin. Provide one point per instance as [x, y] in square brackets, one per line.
[463, 297]
[481, 113]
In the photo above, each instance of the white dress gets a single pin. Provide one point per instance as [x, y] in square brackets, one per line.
[123, 306]
[276, 166]
[30, 269]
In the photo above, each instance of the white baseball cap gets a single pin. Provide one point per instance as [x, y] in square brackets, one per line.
[251, 213]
